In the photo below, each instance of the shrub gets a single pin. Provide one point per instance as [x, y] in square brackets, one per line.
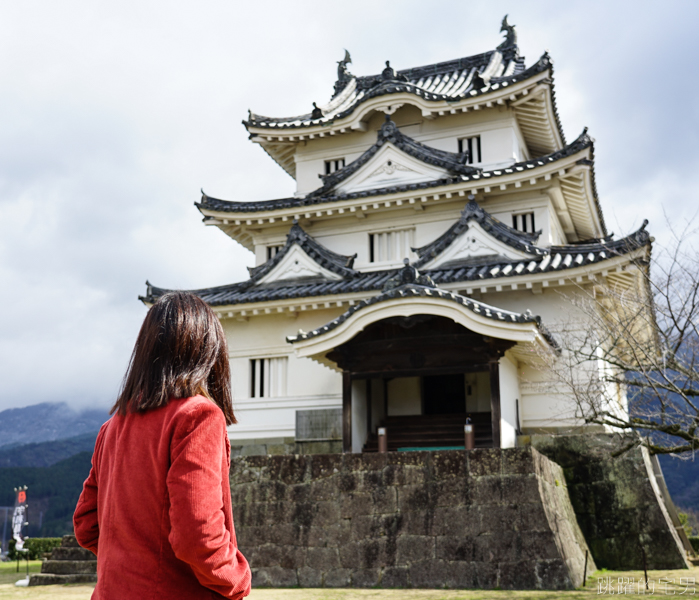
[695, 543]
[34, 548]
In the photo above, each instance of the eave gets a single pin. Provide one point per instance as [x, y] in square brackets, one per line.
[576, 201]
[530, 94]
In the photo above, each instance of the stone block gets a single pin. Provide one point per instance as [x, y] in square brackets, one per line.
[338, 578]
[274, 577]
[520, 488]
[461, 574]
[322, 559]
[415, 497]
[454, 548]
[484, 462]
[485, 575]
[454, 520]
[452, 491]
[253, 450]
[532, 517]
[414, 548]
[384, 500]
[417, 522]
[366, 578]
[395, 577]
[518, 461]
[497, 547]
[364, 463]
[429, 573]
[449, 464]
[553, 575]
[498, 518]
[486, 490]
[539, 545]
[517, 575]
[310, 578]
[356, 504]
[325, 465]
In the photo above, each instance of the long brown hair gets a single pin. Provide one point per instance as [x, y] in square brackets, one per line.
[181, 351]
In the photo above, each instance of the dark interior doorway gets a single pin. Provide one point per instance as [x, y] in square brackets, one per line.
[444, 394]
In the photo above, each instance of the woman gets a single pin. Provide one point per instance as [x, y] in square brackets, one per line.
[156, 507]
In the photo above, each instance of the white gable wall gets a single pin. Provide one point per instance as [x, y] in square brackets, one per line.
[501, 140]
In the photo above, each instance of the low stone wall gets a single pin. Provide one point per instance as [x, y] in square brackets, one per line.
[283, 445]
[455, 519]
[617, 502]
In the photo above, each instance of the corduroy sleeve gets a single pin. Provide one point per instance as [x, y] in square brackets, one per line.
[85, 521]
[199, 535]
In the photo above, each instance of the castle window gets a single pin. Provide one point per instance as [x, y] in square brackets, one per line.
[472, 147]
[334, 165]
[272, 251]
[390, 246]
[268, 377]
[524, 222]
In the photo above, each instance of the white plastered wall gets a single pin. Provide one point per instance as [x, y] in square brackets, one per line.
[309, 385]
[509, 394]
[359, 415]
[501, 140]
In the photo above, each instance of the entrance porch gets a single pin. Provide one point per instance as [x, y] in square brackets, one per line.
[419, 361]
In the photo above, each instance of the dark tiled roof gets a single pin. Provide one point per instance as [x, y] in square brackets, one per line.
[557, 258]
[389, 133]
[451, 80]
[337, 263]
[472, 212]
[413, 289]
[314, 198]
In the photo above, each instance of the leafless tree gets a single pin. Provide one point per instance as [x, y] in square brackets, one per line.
[630, 358]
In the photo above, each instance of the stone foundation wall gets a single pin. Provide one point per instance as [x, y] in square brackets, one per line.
[283, 445]
[617, 502]
[455, 519]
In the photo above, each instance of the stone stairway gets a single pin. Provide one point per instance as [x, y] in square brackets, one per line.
[430, 431]
[69, 563]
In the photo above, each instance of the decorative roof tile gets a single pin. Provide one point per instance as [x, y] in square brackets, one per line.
[325, 195]
[472, 212]
[410, 283]
[389, 133]
[451, 80]
[558, 259]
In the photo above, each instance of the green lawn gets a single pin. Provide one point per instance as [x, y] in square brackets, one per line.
[684, 581]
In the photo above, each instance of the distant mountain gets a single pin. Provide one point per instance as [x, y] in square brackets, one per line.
[47, 422]
[682, 478]
[46, 454]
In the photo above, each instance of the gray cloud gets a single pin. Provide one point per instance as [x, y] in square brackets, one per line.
[114, 115]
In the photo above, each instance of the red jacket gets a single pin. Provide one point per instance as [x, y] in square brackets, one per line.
[156, 507]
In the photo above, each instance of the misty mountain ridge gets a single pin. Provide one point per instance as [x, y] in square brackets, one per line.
[47, 422]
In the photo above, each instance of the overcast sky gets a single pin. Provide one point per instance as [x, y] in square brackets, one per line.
[115, 114]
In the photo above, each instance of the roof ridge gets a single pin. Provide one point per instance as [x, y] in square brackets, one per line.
[326, 258]
[519, 240]
[454, 162]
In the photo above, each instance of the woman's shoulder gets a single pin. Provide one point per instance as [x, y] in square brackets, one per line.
[196, 406]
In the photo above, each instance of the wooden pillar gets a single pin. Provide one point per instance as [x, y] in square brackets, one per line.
[495, 400]
[347, 411]
[369, 408]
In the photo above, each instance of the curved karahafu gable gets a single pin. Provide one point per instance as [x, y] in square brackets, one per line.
[477, 236]
[408, 294]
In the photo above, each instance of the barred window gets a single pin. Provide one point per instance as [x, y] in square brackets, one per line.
[524, 222]
[472, 147]
[272, 251]
[334, 165]
[388, 246]
[268, 377]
